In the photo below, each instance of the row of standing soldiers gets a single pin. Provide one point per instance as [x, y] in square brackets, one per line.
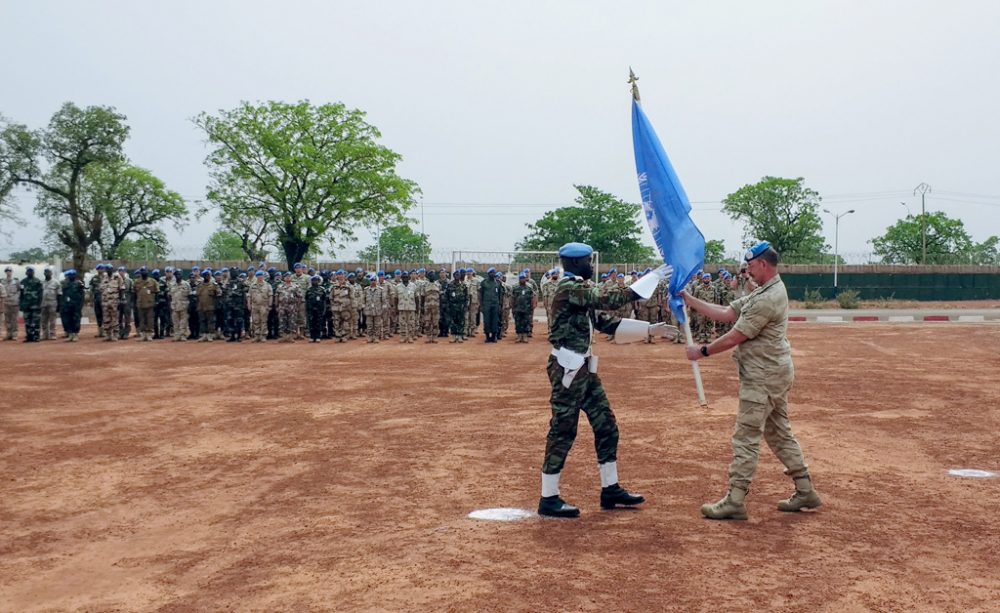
[210, 305]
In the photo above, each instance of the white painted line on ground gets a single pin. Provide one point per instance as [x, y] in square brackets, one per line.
[971, 473]
[830, 319]
[971, 318]
[503, 514]
[901, 318]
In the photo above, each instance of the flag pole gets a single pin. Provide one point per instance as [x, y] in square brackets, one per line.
[694, 364]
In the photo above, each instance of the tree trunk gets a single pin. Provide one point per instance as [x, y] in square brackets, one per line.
[79, 259]
[295, 250]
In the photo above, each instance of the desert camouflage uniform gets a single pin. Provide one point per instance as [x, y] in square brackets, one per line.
[374, 311]
[290, 301]
[51, 291]
[472, 310]
[406, 305]
[506, 304]
[179, 290]
[112, 294]
[340, 309]
[260, 295]
[12, 306]
[724, 295]
[301, 281]
[126, 306]
[95, 299]
[702, 328]
[431, 294]
[357, 305]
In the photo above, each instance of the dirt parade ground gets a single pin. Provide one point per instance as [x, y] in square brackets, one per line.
[208, 477]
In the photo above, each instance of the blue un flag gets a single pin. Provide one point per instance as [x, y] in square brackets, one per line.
[667, 209]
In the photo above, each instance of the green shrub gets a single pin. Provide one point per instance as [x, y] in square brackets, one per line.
[885, 302]
[813, 299]
[848, 298]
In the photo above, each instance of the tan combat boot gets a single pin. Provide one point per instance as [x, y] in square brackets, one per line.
[805, 497]
[730, 507]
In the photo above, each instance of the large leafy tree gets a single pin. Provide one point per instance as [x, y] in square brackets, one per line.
[312, 174]
[134, 203]
[715, 252]
[947, 242]
[54, 160]
[223, 245]
[146, 249]
[783, 212]
[398, 244]
[608, 224]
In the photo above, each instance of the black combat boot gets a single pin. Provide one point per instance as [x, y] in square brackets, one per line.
[554, 506]
[615, 495]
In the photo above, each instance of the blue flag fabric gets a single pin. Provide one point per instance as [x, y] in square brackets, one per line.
[667, 209]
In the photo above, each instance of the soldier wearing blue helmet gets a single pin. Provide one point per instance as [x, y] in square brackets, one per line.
[71, 305]
[760, 322]
[574, 382]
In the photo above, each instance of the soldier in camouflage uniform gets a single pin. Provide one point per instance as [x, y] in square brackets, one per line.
[317, 299]
[301, 281]
[145, 292]
[236, 308]
[472, 312]
[112, 294]
[431, 298]
[289, 298]
[702, 328]
[506, 304]
[208, 295]
[327, 283]
[30, 302]
[260, 297]
[74, 294]
[51, 290]
[95, 298]
[12, 290]
[652, 312]
[575, 384]
[374, 309]
[724, 296]
[274, 280]
[126, 306]
[406, 306]
[525, 302]
[455, 304]
[194, 323]
[161, 312]
[340, 307]
[179, 290]
[357, 306]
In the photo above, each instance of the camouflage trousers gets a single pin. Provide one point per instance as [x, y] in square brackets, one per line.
[587, 393]
[145, 319]
[49, 312]
[408, 325]
[110, 322]
[522, 319]
[71, 318]
[432, 320]
[288, 320]
[374, 326]
[179, 319]
[342, 323]
[763, 414]
[471, 327]
[456, 321]
[505, 320]
[355, 321]
[702, 329]
[124, 319]
[32, 322]
[10, 312]
[258, 320]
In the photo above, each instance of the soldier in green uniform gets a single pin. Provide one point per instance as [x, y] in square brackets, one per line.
[760, 322]
[73, 295]
[236, 308]
[31, 305]
[455, 302]
[490, 296]
[524, 303]
[574, 382]
[161, 312]
[145, 292]
[95, 298]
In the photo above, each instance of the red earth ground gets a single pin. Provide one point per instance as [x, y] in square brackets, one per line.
[206, 477]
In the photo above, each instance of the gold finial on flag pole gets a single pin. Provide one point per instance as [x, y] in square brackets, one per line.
[632, 81]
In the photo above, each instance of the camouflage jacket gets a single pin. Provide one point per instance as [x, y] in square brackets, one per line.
[406, 296]
[455, 296]
[145, 291]
[288, 295]
[523, 297]
[374, 300]
[31, 293]
[73, 293]
[573, 316]
[51, 290]
[179, 292]
[260, 294]
[340, 297]
[112, 289]
[431, 294]
[316, 298]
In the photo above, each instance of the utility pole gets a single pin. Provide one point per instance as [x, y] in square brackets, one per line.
[836, 243]
[922, 189]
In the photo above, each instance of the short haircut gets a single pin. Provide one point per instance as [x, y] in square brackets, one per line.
[770, 256]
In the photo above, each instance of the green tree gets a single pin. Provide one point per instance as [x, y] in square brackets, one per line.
[223, 245]
[947, 242]
[783, 212]
[608, 224]
[311, 173]
[146, 249]
[34, 254]
[134, 203]
[54, 161]
[399, 244]
[715, 252]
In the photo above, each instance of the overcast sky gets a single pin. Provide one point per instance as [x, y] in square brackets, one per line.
[498, 108]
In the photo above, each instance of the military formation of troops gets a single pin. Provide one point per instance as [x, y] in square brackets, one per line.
[260, 305]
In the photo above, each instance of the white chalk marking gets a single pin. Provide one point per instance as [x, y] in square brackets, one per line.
[901, 318]
[971, 473]
[503, 514]
[971, 318]
[830, 319]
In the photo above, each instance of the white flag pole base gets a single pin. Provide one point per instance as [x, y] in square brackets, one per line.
[694, 364]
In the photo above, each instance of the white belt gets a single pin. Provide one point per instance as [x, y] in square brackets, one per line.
[572, 362]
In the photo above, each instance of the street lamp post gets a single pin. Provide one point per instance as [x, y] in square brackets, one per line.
[922, 189]
[836, 243]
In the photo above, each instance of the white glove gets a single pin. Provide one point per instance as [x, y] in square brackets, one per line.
[663, 272]
[663, 331]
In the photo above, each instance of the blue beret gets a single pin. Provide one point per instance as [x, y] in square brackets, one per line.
[360, 270]
[706, 275]
[217, 273]
[121, 269]
[250, 268]
[206, 273]
[168, 269]
[194, 268]
[224, 269]
[756, 250]
[522, 276]
[350, 275]
[396, 272]
[243, 275]
[70, 273]
[259, 273]
[316, 278]
[604, 275]
[421, 270]
[311, 270]
[575, 250]
[490, 269]
[621, 275]
[286, 274]
[526, 271]
[340, 271]
[297, 265]
[156, 271]
[612, 271]
[271, 269]
[634, 273]
[381, 273]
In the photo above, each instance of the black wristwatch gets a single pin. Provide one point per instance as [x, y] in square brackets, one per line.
[704, 350]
